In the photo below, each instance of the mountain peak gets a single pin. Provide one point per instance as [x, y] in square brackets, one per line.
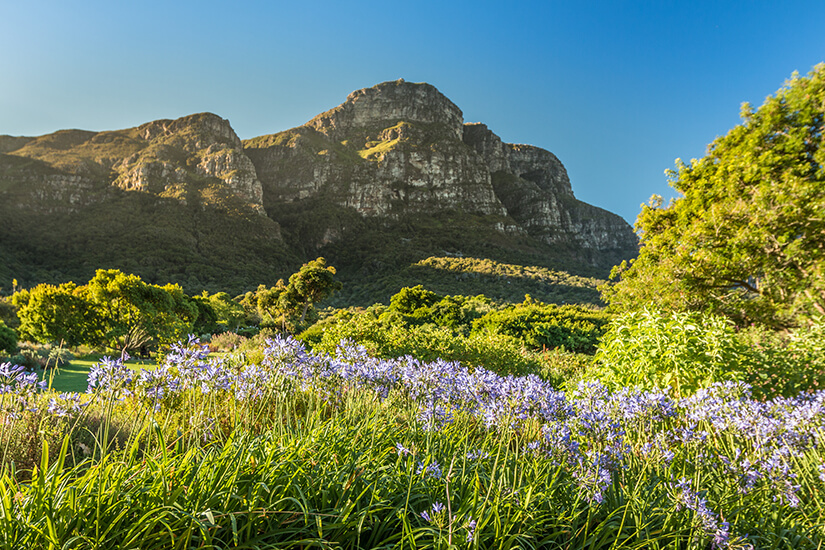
[388, 103]
[206, 124]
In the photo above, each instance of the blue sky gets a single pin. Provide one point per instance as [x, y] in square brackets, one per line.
[617, 90]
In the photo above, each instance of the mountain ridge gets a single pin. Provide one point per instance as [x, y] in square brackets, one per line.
[394, 162]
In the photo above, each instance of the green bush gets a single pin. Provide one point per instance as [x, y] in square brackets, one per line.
[472, 330]
[418, 306]
[374, 330]
[8, 339]
[410, 299]
[786, 363]
[564, 369]
[548, 326]
[685, 351]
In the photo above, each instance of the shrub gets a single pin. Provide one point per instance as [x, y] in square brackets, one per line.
[548, 326]
[8, 339]
[226, 341]
[419, 306]
[564, 369]
[40, 356]
[497, 352]
[686, 351]
[409, 299]
[786, 363]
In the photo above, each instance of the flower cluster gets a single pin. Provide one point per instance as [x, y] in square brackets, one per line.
[17, 389]
[66, 404]
[590, 433]
[708, 522]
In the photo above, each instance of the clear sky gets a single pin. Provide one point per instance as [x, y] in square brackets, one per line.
[617, 90]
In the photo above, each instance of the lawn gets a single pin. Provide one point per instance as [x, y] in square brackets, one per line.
[72, 377]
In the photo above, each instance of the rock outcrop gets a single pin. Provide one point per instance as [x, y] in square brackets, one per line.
[534, 187]
[390, 101]
[392, 149]
[172, 200]
[401, 148]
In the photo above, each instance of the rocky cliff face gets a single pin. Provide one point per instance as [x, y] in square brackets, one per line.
[534, 187]
[387, 102]
[392, 149]
[173, 200]
[400, 148]
[189, 152]
[167, 158]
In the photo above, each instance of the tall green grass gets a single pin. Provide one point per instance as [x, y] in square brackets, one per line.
[324, 463]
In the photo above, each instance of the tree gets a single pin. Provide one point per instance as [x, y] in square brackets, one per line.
[746, 238]
[313, 283]
[61, 314]
[218, 313]
[409, 299]
[263, 306]
[135, 314]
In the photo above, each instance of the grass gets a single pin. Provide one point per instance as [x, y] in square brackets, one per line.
[72, 377]
[323, 458]
[376, 150]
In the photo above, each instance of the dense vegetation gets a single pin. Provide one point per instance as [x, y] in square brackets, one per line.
[746, 238]
[352, 450]
[471, 276]
[449, 252]
[116, 311]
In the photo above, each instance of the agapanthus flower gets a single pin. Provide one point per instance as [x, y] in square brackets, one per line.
[65, 404]
[471, 530]
[433, 469]
[433, 513]
[477, 455]
[110, 376]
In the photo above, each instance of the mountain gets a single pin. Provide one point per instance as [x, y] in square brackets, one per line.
[391, 176]
[169, 200]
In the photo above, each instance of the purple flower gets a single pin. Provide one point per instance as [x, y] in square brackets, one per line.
[433, 469]
[477, 455]
[436, 509]
[471, 530]
[110, 376]
[721, 537]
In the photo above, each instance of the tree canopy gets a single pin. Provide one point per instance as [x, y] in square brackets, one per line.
[746, 238]
[61, 313]
[312, 283]
[113, 309]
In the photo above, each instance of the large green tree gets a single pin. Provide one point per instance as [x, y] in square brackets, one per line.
[314, 282]
[61, 314]
[746, 238]
[135, 314]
